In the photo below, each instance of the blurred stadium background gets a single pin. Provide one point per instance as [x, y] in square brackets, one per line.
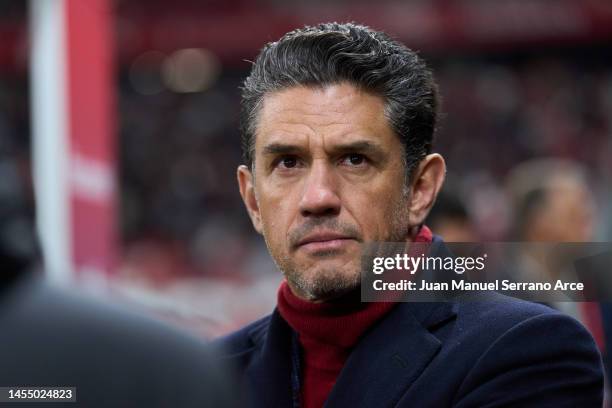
[156, 216]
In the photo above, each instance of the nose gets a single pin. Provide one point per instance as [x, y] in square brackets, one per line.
[320, 197]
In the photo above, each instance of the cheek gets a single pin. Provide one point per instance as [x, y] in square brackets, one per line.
[376, 210]
[277, 214]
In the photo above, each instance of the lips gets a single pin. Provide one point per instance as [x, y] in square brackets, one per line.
[324, 241]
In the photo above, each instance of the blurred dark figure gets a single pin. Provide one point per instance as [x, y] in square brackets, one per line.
[450, 218]
[52, 338]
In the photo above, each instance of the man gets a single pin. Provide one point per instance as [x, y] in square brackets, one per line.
[338, 122]
[559, 206]
[552, 201]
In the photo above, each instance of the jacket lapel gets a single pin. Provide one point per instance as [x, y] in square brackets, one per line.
[269, 370]
[390, 357]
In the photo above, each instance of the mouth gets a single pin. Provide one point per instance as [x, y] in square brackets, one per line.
[324, 242]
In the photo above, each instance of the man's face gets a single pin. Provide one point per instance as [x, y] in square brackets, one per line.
[568, 213]
[328, 176]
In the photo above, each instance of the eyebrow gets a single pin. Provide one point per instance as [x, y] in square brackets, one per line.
[280, 148]
[361, 146]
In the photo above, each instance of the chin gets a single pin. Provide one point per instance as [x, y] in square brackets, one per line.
[325, 284]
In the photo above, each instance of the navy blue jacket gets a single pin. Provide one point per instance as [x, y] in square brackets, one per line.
[494, 352]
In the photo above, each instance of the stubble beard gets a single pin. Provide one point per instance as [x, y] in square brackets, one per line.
[330, 283]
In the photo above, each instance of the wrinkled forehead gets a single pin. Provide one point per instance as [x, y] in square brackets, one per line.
[338, 113]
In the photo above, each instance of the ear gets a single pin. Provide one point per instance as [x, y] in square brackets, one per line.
[247, 191]
[426, 183]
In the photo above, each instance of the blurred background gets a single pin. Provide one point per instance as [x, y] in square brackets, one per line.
[126, 128]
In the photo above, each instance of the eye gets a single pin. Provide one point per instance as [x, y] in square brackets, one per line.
[354, 159]
[287, 162]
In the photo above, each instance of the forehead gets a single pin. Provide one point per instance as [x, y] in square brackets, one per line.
[332, 113]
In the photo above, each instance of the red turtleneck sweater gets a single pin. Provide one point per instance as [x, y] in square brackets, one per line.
[327, 333]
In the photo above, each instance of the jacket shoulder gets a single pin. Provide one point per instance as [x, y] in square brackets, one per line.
[505, 341]
[554, 351]
[483, 321]
[496, 308]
